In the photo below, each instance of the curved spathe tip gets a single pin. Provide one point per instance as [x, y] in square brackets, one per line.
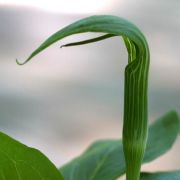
[21, 63]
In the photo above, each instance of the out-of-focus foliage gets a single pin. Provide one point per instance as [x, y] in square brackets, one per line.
[161, 176]
[19, 162]
[105, 160]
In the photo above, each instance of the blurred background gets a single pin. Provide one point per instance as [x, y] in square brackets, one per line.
[65, 99]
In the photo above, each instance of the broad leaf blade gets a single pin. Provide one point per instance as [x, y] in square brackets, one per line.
[105, 160]
[19, 162]
[157, 144]
[161, 176]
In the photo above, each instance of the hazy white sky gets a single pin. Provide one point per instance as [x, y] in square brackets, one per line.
[66, 6]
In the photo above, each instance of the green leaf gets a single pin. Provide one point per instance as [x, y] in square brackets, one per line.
[19, 162]
[179, 123]
[161, 176]
[160, 141]
[105, 160]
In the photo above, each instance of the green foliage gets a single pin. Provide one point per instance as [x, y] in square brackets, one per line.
[158, 145]
[161, 176]
[105, 159]
[19, 162]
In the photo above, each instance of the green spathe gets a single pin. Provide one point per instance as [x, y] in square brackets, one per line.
[136, 81]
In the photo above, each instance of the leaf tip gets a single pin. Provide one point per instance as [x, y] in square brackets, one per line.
[20, 63]
[64, 45]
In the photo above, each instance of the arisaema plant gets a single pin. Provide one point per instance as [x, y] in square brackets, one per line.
[105, 159]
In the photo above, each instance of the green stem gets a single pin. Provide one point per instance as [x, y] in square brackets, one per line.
[135, 125]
